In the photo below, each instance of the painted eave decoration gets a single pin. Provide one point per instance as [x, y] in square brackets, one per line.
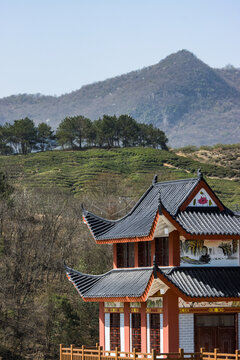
[202, 199]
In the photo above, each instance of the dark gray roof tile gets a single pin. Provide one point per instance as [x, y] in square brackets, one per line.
[206, 281]
[139, 220]
[197, 281]
[216, 222]
[115, 283]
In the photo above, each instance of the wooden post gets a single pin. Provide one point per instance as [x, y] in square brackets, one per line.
[116, 353]
[134, 354]
[237, 352]
[71, 355]
[215, 353]
[97, 344]
[153, 354]
[181, 354]
[83, 347]
[99, 352]
[60, 351]
[201, 352]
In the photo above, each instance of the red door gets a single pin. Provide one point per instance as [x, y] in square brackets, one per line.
[227, 339]
[206, 337]
[215, 331]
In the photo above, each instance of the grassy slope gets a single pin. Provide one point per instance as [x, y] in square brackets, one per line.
[74, 171]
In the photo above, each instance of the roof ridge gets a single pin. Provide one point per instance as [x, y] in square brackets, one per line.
[174, 181]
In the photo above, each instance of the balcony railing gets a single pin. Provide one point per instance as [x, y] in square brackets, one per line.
[97, 353]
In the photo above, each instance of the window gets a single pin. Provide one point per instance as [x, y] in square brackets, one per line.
[114, 331]
[161, 251]
[144, 253]
[136, 331]
[155, 332]
[125, 255]
[215, 320]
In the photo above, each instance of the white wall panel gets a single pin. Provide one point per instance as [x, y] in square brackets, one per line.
[122, 339]
[161, 333]
[148, 333]
[186, 332]
[107, 331]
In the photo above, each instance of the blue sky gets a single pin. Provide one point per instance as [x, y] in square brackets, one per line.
[56, 46]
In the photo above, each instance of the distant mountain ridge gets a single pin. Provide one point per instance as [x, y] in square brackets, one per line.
[190, 101]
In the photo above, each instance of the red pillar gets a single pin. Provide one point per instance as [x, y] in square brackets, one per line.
[174, 248]
[143, 328]
[101, 325]
[170, 322]
[127, 326]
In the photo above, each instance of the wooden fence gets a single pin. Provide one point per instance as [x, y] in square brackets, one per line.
[97, 353]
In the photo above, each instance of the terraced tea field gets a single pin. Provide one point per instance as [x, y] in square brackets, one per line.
[80, 171]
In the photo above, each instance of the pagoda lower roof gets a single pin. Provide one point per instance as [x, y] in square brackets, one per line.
[198, 282]
[118, 283]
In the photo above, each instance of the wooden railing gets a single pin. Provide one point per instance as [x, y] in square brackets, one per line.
[97, 353]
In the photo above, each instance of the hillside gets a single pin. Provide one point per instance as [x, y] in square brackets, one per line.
[220, 155]
[191, 102]
[41, 229]
[130, 169]
[231, 75]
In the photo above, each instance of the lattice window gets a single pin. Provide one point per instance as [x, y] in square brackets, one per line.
[144, 253]
[161, 251]
[155, 332]
[114, 331]
[125, 255]
[136, 332]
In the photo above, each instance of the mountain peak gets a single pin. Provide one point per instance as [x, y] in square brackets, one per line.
[181, 94]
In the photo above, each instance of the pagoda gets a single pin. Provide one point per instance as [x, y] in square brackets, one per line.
[175, 281]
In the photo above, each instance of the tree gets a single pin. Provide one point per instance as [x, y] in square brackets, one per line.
[45, 136]
[23, 135]
[72, 131]
[128, 130]
[5, 147]
[161, 139]
[106, 131]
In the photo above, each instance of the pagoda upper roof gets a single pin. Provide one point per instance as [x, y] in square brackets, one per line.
[166, 196]
[138, 222]
[201, 282]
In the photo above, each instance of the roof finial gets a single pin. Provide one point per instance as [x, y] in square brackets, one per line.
[84, 211]
[199, 173]
[155, 179]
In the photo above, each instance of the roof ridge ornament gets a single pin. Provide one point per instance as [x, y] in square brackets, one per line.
[155, 179]
[84, 211]
[199, 173]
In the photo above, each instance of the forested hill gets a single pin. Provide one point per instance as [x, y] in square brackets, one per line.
[190, 101]
[41, 228]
